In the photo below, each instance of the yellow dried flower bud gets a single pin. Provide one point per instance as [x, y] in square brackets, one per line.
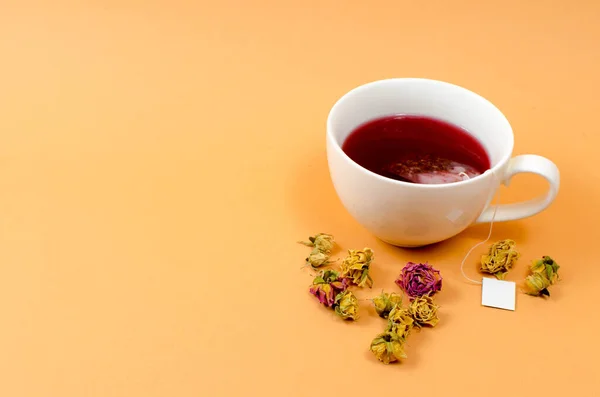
[424, 311]
[317, 259]
[346, 305]
[387, 347]
[537, 284]
[322, 242]
[400, 322]
[501, 257]
[547, 267]
[356, 266]
[544, 273]
[385, 302]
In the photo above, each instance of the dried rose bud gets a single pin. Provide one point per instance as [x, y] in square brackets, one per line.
[387, 347]
[537, 284]
[500, 258]
[418, 279]
[317, 259]
[424, 311]
[356, 267]
[385, 302]
[326, 286]
[346, 305]
[322, 242]
[547, 267]
[400, 322]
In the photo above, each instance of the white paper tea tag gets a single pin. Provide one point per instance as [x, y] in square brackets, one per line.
[498, 293]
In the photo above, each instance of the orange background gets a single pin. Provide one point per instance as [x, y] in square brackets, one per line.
[159, 160]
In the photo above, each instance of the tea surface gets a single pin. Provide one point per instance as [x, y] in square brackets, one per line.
[417, 149]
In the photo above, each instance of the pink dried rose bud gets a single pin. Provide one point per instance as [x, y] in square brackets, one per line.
[419, 279]
[327, 285]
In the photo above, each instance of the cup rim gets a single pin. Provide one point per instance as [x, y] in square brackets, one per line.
[492, 170]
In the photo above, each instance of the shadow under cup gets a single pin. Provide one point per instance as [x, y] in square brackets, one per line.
[408, 214]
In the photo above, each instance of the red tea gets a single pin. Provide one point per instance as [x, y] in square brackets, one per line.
[417, 149]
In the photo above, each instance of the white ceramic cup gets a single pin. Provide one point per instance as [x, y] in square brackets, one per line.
[410, 215]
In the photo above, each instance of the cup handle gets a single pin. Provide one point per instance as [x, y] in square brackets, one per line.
[533, 164]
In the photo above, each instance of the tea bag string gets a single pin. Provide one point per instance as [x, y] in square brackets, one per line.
[462, 264]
